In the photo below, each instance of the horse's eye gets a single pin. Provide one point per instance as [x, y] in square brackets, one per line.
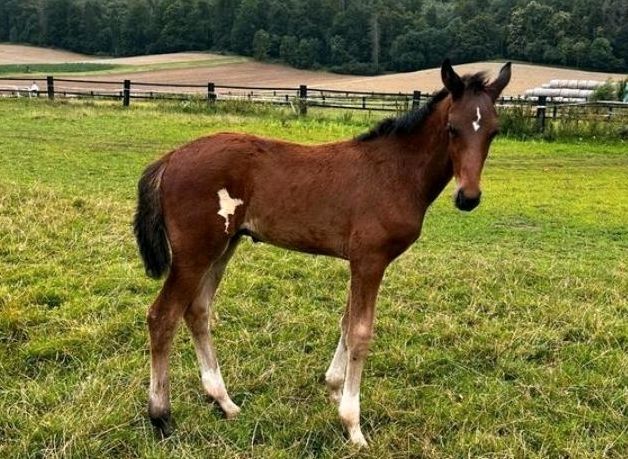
[452, 130]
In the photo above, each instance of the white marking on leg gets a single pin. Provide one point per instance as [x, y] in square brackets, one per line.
[211, 376]
[349, 409]
[335, 374]
[157, 393]
[214, 385]
[227, 206]
[476, 123]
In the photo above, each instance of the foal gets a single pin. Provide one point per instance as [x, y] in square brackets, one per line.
[361, 200]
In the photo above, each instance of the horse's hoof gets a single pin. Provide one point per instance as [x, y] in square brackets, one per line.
[231, 410]
[359, 441]
[164, 425]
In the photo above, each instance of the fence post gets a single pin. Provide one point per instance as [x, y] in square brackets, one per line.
[127, 93]
[416, 99]
[303, 99]
[211, 93]
[50, 81]
[540, 112]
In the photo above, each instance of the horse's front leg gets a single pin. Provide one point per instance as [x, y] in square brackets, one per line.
[366, 276]
[335, 374]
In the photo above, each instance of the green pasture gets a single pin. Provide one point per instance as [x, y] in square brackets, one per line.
[96, 68]
[501, 333]
[48, 69]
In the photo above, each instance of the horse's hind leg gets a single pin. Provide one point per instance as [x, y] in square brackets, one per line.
[163, 317]
[197, 319]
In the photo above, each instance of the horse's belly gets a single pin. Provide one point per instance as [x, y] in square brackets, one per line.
[298, 236]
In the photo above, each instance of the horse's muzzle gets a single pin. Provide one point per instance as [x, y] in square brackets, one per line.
[464, 203]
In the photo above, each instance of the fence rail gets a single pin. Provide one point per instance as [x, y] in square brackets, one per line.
[299, 98]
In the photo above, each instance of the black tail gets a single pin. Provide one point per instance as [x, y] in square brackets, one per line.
[149, 227]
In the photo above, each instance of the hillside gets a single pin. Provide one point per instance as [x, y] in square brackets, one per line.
[199, 68]
[355, 36]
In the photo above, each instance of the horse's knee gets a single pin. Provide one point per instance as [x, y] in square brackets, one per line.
[358, 340]
[196, 314]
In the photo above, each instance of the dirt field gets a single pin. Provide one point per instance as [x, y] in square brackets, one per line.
[250, 73]
[525, 76]
[22, 54]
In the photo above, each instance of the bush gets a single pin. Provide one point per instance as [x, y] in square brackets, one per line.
[355, 68]
[608, 91]
[622, 90]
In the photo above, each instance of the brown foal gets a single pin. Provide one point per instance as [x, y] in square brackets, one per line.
[362, 200]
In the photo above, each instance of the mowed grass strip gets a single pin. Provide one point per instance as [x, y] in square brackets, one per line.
[74, 67]
[501, 333]
[110, 67]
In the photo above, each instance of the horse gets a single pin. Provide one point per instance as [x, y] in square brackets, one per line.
[362, 200]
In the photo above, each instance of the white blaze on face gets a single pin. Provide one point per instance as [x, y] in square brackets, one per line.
[476, 123]
[227, 206]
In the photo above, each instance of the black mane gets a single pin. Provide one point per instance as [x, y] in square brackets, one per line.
[409, 122]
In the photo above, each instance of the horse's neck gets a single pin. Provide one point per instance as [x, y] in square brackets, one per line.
[426, 160]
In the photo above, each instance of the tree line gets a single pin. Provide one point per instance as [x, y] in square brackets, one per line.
[352, 36]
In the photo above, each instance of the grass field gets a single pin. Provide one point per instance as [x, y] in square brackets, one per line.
[48, 69]
[112, 68]
[502, 333]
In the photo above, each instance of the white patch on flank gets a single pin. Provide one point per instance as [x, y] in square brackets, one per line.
[476, 123]
[227, 206]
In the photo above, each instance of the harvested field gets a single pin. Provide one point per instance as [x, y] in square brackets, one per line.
[23, 54]
[525, 76]
[199, 68]
[163, 58]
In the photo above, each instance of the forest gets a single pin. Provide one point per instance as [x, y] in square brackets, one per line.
[348, 36]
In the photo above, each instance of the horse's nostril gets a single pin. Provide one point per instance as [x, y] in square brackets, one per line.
[464, 203]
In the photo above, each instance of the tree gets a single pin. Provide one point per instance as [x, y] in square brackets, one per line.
[475, 39]
[223, 15]
[338, 51]
[580, 51]
[248, 20]
[174, 26]
[529, 31]
[288, 49]
[203, 30]
[135, 29]
[601, 53]
[95, 36]
[261, 45]
[352, 25]
[56, 15]
[405, 54]
[308, 53]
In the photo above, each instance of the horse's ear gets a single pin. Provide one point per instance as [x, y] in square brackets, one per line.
[451, 80]
[497, 86]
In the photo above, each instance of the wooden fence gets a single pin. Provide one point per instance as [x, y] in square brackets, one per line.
[300, 99]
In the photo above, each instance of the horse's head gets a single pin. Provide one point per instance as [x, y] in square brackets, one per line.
[472, 124]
